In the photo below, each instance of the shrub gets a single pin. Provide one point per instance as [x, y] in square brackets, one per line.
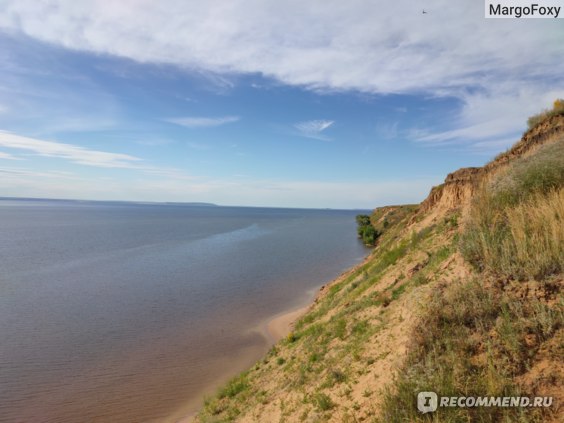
[365, 230]
[363, 220]
[368, 234]
[323, 402]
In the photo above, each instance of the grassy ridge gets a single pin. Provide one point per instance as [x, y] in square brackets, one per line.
[481, 336]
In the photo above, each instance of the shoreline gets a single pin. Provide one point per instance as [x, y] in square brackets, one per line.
[273, 330]
[279, 326]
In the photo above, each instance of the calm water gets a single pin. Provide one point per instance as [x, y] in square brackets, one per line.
[128, 313]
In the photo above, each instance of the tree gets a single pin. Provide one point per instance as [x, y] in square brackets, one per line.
[365, 230]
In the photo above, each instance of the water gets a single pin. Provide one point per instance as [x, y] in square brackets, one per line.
[129, 312]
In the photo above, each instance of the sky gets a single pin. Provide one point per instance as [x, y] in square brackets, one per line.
[325, 104]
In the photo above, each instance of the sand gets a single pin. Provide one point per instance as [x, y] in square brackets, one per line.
[281, 325]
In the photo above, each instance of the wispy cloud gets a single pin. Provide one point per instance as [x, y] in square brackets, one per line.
[7, 156]
[487, 122]
[69, 152]
[362, 45]
[203, 122]
[314, 128]
[387, 130]
[35, 174]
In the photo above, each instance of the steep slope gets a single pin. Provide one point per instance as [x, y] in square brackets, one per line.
[418, 315]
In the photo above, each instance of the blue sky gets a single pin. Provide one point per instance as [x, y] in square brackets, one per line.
[302, 104]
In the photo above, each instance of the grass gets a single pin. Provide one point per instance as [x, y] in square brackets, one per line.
[516, 225]
[385, 219]
[234, 387]
[323, 402]
[476, 341]
[557, 109]
[479, 338]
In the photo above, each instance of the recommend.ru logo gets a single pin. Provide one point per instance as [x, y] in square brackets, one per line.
[427, 402]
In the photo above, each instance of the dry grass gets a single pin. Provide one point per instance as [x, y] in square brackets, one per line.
[520, 242]
[516, 224]
[557, 109]
[537, 235]
[476, 340]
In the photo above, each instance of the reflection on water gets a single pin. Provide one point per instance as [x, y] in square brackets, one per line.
[127, 313]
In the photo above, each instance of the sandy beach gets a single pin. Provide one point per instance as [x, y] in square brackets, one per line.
[281, 325]
[273, 330]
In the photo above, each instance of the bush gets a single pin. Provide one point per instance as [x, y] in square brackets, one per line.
[365, 230]
[363, 220]
[323, 401]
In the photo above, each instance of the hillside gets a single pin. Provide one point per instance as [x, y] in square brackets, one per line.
[462, 295]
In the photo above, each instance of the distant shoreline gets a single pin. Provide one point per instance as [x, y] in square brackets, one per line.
[174, 203]
[127, 202]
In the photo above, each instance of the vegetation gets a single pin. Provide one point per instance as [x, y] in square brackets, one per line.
[384, 218]
[365, 230]
[557, 109]
[482, 336]
[516, 227]
[477, 340]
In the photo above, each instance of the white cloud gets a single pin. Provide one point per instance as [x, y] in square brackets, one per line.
[487, 122]
[7, 156]
[203, 122]
[365, 45]
[69, 152]
[360, 44]
[314, 128]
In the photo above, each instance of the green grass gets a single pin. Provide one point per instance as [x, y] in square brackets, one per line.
[323, 402]
[234, 387]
